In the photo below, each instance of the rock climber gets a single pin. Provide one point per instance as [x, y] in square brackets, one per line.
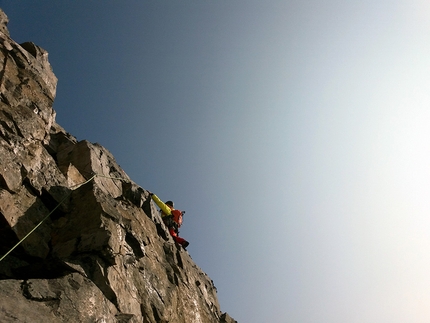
[172, 218]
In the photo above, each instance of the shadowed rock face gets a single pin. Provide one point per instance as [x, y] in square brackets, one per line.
[103, 255]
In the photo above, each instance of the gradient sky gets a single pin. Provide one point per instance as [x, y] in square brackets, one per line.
[296, 135]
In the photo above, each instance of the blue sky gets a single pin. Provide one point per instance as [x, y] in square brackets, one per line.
[294, 133]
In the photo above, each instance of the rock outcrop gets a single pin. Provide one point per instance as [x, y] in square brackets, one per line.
[99, 251]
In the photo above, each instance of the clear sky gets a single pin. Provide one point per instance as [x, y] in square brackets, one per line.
[295, 134]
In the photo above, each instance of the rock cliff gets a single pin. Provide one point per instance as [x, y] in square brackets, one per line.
[99, 251]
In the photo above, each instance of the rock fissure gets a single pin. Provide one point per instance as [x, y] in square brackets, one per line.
[30, 294]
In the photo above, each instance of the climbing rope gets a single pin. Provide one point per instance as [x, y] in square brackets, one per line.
[72, 188]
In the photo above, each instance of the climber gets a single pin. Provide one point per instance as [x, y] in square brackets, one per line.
[172, 219]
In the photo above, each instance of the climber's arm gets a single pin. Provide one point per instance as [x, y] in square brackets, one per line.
[164, 208]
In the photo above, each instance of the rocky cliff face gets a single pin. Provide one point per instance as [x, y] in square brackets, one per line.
[101, 252]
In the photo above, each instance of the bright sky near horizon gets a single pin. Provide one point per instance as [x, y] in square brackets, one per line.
[295, 134]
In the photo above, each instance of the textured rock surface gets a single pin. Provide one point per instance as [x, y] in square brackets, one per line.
[103, 255]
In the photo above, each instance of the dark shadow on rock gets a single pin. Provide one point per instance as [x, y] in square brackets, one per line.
[133, 193]
[162, 231]
[43, 269]
[125, 318]
[58, 141]
[32, 257]
[135, 245]
[17, 258]
[147, 208]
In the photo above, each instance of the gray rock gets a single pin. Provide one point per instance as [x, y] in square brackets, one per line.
[102, 253]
